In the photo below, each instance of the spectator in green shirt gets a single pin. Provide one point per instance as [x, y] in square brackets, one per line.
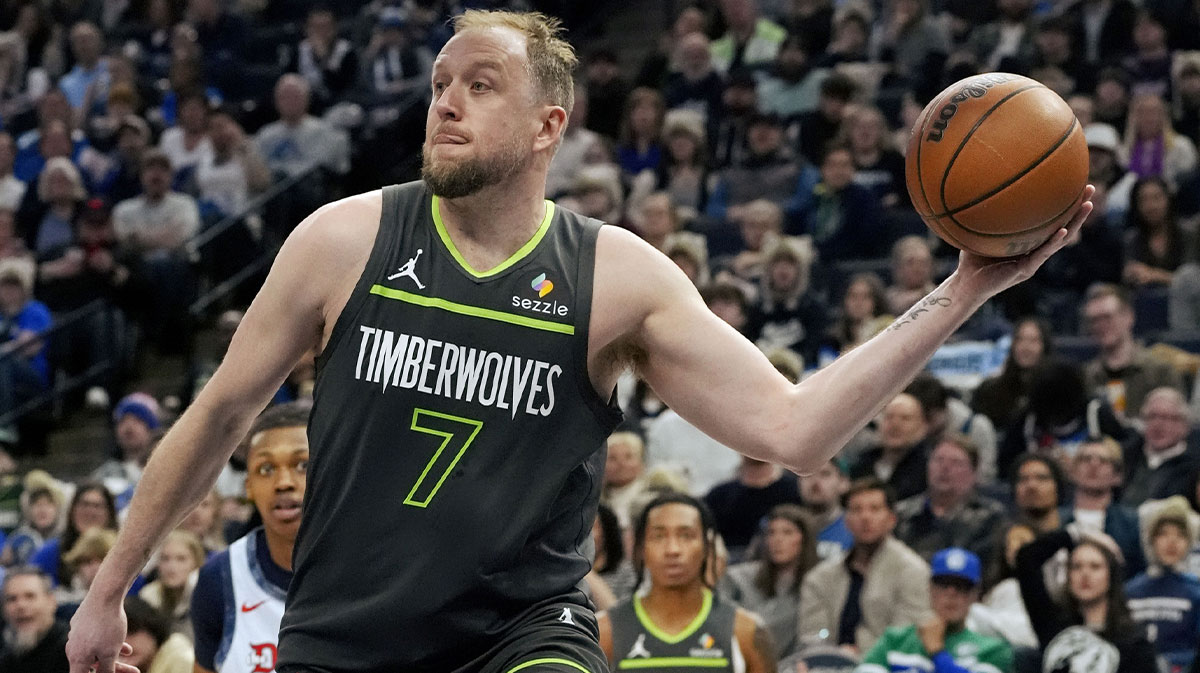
[943, 644]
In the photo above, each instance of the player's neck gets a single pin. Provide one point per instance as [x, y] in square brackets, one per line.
[489, 226]
[673, 608]
[280, 549]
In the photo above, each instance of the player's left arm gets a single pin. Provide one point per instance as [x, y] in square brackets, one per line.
[755, 642]
[649, 313]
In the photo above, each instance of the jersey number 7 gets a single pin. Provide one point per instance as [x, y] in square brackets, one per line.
[457, 433]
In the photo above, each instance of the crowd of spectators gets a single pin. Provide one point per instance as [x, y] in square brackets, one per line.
[1045, 506]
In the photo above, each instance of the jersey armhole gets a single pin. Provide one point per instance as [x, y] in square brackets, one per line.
[606, 412]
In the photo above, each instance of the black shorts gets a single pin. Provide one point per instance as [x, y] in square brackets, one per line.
[553, 637]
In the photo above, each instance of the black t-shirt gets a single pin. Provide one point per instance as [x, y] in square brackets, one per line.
[739, 509]
[50, 655]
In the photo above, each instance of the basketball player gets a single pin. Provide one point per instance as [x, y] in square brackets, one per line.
[459, 429]
[680, 624]
[238, 600]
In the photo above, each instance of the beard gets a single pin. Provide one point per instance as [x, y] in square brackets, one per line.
[453, 179]
[22, 641]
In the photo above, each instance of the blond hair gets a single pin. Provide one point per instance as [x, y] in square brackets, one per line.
[190, 542]
[551, 58]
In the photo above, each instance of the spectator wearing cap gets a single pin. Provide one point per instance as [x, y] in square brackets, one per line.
[398, 64]
[1166, 456]
[793, 86]
[768, 171]
[694, 83]
[12, 190]
[24, 367]
[787, 314]
[751, 41]
[821, 493]
[135, 422]
[1153, 148]
[1096, 471]
[943, 643]
[1165, 598]
[950, 513]
[842, 217]
[328, 62]
[298, 141]
[1104, 166]
[819, 126]
[851, 599]
[41, 507]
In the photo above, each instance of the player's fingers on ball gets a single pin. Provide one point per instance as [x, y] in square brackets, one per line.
[126, 668]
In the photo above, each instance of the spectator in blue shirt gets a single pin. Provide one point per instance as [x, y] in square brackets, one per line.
[86, 85]
[24, 369]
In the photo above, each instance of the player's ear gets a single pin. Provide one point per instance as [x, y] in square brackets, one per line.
[554, 124]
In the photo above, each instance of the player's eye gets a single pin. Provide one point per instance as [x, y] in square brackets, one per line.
[265, 470]
[479, 86]
[438, 87]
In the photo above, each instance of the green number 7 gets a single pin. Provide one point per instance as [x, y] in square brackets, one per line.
[450, 429]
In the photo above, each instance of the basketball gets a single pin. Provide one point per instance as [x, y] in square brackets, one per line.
[996, 164]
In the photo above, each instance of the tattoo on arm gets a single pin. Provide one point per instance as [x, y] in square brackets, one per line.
[764, 647]
[922, 307]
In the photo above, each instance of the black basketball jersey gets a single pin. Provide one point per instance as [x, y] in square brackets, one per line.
[708, 643]
[457, 448]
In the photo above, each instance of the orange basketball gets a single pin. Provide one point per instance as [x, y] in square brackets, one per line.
[996, 164]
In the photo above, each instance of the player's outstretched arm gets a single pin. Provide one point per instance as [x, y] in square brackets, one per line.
[721, 383]
[284, 322]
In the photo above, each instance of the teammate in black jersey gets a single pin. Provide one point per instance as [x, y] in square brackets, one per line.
[501, 95]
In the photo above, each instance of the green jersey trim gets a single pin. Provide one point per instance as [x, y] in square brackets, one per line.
[475, 311]
[547, 660]
[650, 626]
[513, 259]
[675, 662]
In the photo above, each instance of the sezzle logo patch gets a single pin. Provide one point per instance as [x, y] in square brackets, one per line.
[543, 286]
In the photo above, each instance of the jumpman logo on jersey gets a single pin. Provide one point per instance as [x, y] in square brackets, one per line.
[409, 269]
[566, 617]
[639, 648]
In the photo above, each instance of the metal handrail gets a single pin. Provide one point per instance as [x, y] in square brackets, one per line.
[207, 236]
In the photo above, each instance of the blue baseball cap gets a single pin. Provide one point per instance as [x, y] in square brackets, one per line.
[958, 563]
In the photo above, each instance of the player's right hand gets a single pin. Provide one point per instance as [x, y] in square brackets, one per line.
[98, 637]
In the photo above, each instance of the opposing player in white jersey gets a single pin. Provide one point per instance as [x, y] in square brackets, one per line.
[238, 601]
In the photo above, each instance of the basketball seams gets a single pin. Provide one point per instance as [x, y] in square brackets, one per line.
[966, 137]
[921, 143]
[1014, 179]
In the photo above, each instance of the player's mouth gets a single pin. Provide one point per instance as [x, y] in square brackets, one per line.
[286, 509]
[448, 139]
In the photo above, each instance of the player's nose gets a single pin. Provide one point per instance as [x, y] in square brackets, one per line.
[449, 104]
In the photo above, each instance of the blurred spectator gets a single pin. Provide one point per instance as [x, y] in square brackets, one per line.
[597, 193]
[572, 150]
[788, 314]
[205, 522]
[233, 171]
[738, 506]
[821, 494]
[34, 642]
[187, 143]
[1039, 487]
[1001, 612]
[821, 125]
[811, 21]
[739, 104]
[878, 167]
[155, 648]
[943, 642]
[159, 221]
[24, 367]
[665, 59]
[1084, 107]
[950, 513]
[612, 564]
[84, 558]
[12, 246]
[1184, 297]
[1152, 147]
[693, 83]
[12, 190]
[220, 34]
[1112, 98]
[683, 171]
[1054, 49]
[299, 141]
[1149, 65]
[1090, 627]
[1124, 372]
[852, 599]
[48, 213]
[39, 523]
[950, 415]
[640, 146]
[1165, 459]
[1060, 416]
[769, 586]
[1155, 239]
[760, 224]
[607, 91]
[86, 85]
[1006, 44]
[690, 254]
[1187, 97]
[179, 559]
[842, 218]
[900, 456]
[863, 314]
[1104, 166]
[152, 36]
[53, 116]
[912, 273]
[909, 38]
[135, 420]
[186, 75]
[124, 180]
[769, 171]
[751, 40]
[30, 54]
[398, 64]
[1003, 397]
[624, 474]
[1164, 598]
[1096, 471]
[1102, 28]
[851, 38]
[793, 86]
[329, 63]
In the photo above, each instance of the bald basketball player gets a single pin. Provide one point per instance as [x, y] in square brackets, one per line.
[470, 337]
